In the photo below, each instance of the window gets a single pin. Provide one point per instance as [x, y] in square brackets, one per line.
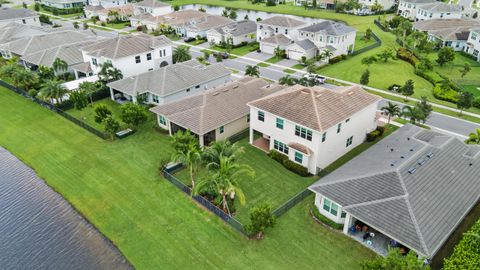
[299, 157]
[137, 59]
[163, 121]
[188, 90]
[160, 53]
[149, 56]
[155, 98]
[334, 209]
[221, 129]
[303, 133]
[248, 118]
[281, 147]
[286, 31]
[326, 205]
[475, 52]
[276, 29]
[279, 123]
[261, 116]
[23, 21]
[164, 52]
[324, 136]
[349, 141]
[94, 61]
[343, 214]
[348, 120]
[330, 207]
[198, 86]
[339, 127]
[474, 36]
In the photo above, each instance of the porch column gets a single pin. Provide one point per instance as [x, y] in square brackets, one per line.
[111, 94]
[347, 224]
[250, 138]
[202, 141]
[134, 99]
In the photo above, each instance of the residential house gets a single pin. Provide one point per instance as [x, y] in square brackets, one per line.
[300, 48]
[313, 126]
[64, 4]
[453, 33]
[472, 46]
[152, 7]
[409, 8]
[15, 31]
[410, 190]
[107, 3]
[123, 13]
[276, 25]
[131, 54]
[20, 15]
[324, 4]
[215, 114]
[170, 83]
[386, 4]
[271, 44]
[92, 11]
[199, 27]
[177, 19]
[237, 32]
[339, 38]
[438, 10]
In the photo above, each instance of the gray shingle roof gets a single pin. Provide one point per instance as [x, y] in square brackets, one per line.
[216, 107]
[306, 44]
[13, 31]
[208, 22]
[282, 21]
[123, 46]
[441, 7]
[316, 108]
[151, 3]
[415, 186]
[238, 28]
[278, 39]
[70, 53]
[447, 29]
[16, 13]
[171, 79]
[329, 27]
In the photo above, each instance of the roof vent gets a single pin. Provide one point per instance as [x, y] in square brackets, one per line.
[226, 90]
[350, 93]
[412, 170]
[391, 149]
[430, 154]
[215, 94]
[235, 86]
[421, 162]
[408, 139]
[305, 91]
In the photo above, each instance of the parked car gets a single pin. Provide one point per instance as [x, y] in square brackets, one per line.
[318, 78]
[189, 39]
[223, 54]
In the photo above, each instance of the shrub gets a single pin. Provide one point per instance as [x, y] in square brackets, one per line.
[394, 86]
[324, 219]
[476, 102]
[372, 136]
[466, 254]
[426, 76]
[337, 59]
[261, 218]
[406, 55]
[288, 164]
[449, 95]
[380, 130]
[32, 92]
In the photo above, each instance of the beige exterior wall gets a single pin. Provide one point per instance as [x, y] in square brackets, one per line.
[232, 128]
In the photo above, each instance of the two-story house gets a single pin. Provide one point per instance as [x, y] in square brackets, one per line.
[386, 4]
[408, 8]
[152, 7]
[472, 46]
[107, 3]
[438, 10]
[313, 126]
[237, 32]
[132, 54]
[64, 4]
[20, 15]
[277, 28]
[169, 83]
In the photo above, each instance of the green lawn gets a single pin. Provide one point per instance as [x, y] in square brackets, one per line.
[197, 42]
[32, 7]
[360, 41]
[474, 89]
[289, 71]
[118, 26]
[242, 50]
[88, 114]
[298, 66]
[274, 59]
[263, 64]
[116, 186]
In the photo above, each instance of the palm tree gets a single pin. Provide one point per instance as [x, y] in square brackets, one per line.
[391, 110]
[287, 80]
[311, 68]
[9, 69]
[52, 90]
[108, 73]
[24, 78]
[474, 137]
[414, 114]
[181, 54]
[279, 52]
[191, 157]
[88, 88]
[219, 149]
[59, 66]
[115, 74]
[252, 71]
[327, 54]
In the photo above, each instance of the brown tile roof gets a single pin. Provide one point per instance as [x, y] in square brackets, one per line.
[300, 147]
[447, 29]
[279, 39]
[282, 21]
[317, 108]
[211, 109]
[126, 10]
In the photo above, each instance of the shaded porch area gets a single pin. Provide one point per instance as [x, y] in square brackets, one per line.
[262, 144]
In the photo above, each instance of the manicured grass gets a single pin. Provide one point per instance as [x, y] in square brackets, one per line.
[360, 41]
[197, 42]
[474, 89]
[117, 187]
[241, 51]
[263, 64]
[88, 114]
[298, 66]
[289, 71]
[274, 59]
[32, 7]
[272, 183]
[118, 26]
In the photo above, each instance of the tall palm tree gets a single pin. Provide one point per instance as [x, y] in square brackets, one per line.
[252, 71]
[219, 149]
[287, 80]
[108, 73]
[327, 54]
[415, 114]
[115, 74]
[391, 110]
[474, 137]
[59, 66]
[181, 54]
[52, 90]
[24, 78]
[191, 157]
[88, 88]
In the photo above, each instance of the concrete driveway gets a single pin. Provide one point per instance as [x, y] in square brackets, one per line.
[259, 56]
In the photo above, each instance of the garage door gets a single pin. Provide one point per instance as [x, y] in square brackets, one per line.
[267, 48]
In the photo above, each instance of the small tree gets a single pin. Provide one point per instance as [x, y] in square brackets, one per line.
[391, 110]
[386, 54]
[206, 54]
[474, 137]
[312, 68]
[101, 113]
[111, 126]
[85, 26]
[24, 5]
[133, 114]
[407, 89]
[37, 7]
[465, 101]
[465, 69]
[303, 60]
[395, 260]
[218, 57]
[369, 60]
[261, 218]
[76, 25]
[181, 54]
[252, 71]
[232, 15]
[368, 34]
[365, 78]
[80, 100]
[445, 55]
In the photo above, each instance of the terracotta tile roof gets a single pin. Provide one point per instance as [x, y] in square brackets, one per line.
[300, 147]
[317, 108]
[282, 21]
[279, 39]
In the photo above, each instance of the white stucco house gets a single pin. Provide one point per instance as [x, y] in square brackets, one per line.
[215, 114]
[131, 54]
[386, 4]
[152, 7]
[107, 3]
[169, 83]
[199, 27]
[438, 10]
[409, 8]
[20, 15]
[64, 4]
[276, 25]
[391, 194]
[237, 32]
[123, 13]
[313, 126]
[472, 46]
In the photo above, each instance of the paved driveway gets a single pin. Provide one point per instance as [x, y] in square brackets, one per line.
[288, 62]
[259, 56]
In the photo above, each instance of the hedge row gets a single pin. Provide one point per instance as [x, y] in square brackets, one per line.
[337, 59]
[449, 95]
[288, 164]
[62, 11]
[324, 219]
[406, 55]
[466, 254]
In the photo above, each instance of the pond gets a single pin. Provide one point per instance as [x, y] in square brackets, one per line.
[40, 230]
[252, 14]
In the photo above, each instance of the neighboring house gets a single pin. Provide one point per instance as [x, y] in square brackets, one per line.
[107, 3]
[386, 4]
[215, 114]
[438, 10]
[325, 4]
[276, 25]
[313, 126]
[412, 189]
[179, 20]
[151, 22]
[64, 4]
[298, 49]
[152, 7]
[328, 34]
[453, 33]
[409, 8]
[16, 31]
[237, 32]
[131, 54]
[200, 26]
[269, 44]
[170, 83]
[123, 13]
[20, 15]
[92, 11]
[472, 46]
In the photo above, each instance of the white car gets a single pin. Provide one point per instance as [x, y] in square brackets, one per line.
[318, 78]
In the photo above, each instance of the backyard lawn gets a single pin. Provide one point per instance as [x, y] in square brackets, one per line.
[242, 50]
[361, 42]
[88, 114]
[116, 185]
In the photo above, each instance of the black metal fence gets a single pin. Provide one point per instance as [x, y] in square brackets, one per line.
[378, 43]
[282, 209]
[53, 108]
[381, 26]
[241, 135]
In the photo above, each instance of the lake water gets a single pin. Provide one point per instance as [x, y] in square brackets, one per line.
[40, 230]
[252, 14]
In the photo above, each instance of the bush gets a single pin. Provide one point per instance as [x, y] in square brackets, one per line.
[288, 164]
[32, 92]
[394, 86]
[426, 76]
[466, 254]
[44, 19]
[324, 219]
[406, 55]
[62, 11]
[372, 136]
[449, 95]
[337, 59]
[261, 218]
[380, 130]
[476, 102]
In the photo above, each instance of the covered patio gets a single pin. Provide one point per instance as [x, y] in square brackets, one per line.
[262, 143]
